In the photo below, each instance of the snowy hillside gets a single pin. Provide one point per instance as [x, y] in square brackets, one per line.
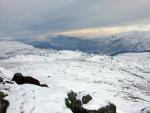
[10, 48]
[123, 79]
[135, 41]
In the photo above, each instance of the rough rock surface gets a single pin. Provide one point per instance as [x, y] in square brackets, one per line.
[3, 103]
[76, 105]
[145, 110]
[20, 79]
[86, 99]
[1, 79]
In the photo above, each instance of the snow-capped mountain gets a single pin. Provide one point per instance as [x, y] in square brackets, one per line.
[135, 41]
[121, 79]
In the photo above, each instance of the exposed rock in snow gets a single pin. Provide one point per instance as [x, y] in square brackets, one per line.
[86, 99]
[1, 79]
[3, 103]
[76, 105]
[20, 79]
[145, 110]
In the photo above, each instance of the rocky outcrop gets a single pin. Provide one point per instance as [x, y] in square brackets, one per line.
[3, 103]
[76, 106]
[145, 110]
[20, 79]
[86, 99]
[1, 79]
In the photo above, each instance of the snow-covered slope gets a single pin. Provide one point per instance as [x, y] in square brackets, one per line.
[126, 42]
[135, 41]
[10, 48]
[123, 79]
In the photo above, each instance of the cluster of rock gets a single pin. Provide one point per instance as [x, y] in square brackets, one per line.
[3, 103]
[76, 105]
[19, 79]
[71, 102]
[145, 110]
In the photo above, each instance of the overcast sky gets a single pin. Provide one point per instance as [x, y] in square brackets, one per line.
[32, 17]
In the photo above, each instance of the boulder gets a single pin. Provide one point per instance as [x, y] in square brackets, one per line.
[43, 85]
[86, 99]
[8, 82]
[76, 105]
[2, 95]
[20, 79]
[3, 103]
[72, 96]
[1, 79]
[145, 110]
[111, 108]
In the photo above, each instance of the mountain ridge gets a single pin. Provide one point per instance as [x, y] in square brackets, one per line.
[135, 41]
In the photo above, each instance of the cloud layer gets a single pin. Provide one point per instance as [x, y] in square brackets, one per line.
[33, 17]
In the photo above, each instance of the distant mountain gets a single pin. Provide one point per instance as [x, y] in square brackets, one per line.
[135, 41]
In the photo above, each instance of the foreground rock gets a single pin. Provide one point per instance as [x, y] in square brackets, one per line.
[86, 99]
[1, 79]
[20, 79]
[76, 106]
[3, 103]
[145, 110]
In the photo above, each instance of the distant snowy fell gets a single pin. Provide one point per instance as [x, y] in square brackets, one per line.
[135, 41]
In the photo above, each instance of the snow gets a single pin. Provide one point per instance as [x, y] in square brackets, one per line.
[13, 48]
[123, 79]
[134, 41]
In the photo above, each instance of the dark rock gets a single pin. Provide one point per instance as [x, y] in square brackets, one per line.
[72, 96]
[9, 82]
[2, 95]
[1, 79]
[86, 99]
[145, 110]
[20, 79]
[111, 108]
[75, 105]
[72, 102]
[67, 103]
[44, 85]
[3, 103]
[3, 82]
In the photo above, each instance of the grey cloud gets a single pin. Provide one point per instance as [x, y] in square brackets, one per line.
[39, 16]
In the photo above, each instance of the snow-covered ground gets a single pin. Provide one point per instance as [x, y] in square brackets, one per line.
[123, 79]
